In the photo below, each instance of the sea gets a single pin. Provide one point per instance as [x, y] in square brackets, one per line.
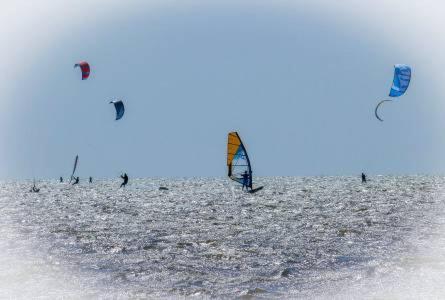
[298, 238]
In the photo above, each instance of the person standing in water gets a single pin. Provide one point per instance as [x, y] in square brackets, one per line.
[245, 181]
[76, 180]
[61, 179]
[363, 177]
[125, 178]
[91, 179]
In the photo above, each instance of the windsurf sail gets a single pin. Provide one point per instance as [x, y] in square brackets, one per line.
[120, 109]
[238, 162]
[75, 167]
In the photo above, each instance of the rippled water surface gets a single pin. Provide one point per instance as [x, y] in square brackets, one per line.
[312, 237]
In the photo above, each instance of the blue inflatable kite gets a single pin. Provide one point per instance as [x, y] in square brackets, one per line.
[400, 83]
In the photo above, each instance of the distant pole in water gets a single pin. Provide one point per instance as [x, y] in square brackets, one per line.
[363, 177]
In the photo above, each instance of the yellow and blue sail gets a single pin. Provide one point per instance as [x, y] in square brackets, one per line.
[237, 159]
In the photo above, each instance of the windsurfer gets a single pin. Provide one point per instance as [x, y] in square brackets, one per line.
[245, 181]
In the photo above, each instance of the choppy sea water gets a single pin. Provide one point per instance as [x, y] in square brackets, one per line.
[314, 237]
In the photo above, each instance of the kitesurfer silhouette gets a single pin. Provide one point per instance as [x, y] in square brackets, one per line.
[76, 180]
[91, 179]
[34, 189]
[61, 179]
[363, 177]
[245, 180]
[125, 178]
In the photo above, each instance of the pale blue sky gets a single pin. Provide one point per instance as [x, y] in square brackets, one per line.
[298, 87]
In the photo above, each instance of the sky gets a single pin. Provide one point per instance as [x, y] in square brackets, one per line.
[298, 80]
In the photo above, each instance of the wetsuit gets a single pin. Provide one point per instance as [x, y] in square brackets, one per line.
[245, 181]
[363, 177]
[125, 178]
[76, 180]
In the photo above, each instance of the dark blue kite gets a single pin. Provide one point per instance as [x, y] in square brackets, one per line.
[120, 109]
